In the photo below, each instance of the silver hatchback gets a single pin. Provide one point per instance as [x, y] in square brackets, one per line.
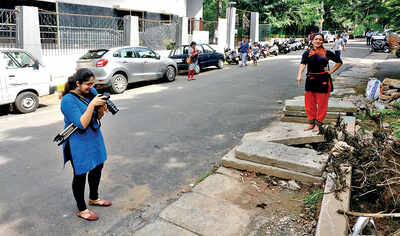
[116, 67]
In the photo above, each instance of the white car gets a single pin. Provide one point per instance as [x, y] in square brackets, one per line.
[328, 36]
[378, 36]
[22, 80]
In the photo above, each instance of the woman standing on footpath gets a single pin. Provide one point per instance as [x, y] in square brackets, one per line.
[82, 106]
[318, 81]
[193, 59]
[244, 50]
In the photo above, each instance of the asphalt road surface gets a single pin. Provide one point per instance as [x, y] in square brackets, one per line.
[165, 137]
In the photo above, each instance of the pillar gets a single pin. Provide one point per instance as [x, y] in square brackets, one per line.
[182, 37]
[222, 33]
[231, 18]
[254, 27]
[131, 30]
[28, 30]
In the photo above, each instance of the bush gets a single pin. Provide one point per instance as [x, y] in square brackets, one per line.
[169, 44]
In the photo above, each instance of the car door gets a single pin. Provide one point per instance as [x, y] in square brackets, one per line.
[212, 58]
[153, 67]
[126, 58]
[21, 74]
[203, 57]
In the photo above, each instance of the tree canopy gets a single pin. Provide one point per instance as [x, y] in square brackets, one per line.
[298, 16]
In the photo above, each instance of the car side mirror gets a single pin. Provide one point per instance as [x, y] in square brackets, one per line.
[36, 65]
[158, 56]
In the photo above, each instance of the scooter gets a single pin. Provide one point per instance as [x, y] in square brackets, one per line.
[380, 45]
[274, 50]
[231, 56]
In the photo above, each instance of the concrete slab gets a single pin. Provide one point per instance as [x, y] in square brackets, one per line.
[334, 105]
[162, 228]
[285, 133]
[304, 120]
[229, 160]
[207, 216]
[342, 92]
[330, 223]
[302, 160]
[219, 187]
[233, 173]
[329, 115]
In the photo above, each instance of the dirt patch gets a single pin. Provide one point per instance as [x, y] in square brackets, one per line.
[278, 210]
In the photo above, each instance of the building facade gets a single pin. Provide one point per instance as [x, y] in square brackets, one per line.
[148, 9]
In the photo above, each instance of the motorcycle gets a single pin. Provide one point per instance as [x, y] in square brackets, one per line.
[282, 46]
[273, 50]
[231, 56]
[255, 55]
[380, 45]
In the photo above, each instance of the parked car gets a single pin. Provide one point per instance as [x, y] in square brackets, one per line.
[207, 57]
[378, 36]
[328, 36]
[115, 68]
[23, 80]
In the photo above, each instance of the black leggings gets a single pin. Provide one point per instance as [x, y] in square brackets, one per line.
[79, 182]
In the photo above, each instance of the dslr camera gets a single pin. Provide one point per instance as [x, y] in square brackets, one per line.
[110, 105]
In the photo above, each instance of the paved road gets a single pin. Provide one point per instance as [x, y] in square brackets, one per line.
[166, 136]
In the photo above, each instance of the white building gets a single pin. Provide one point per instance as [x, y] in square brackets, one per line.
[142, 8]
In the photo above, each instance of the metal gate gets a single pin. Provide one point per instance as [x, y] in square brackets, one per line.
[65, 33]
[157, 34]
[8, 28]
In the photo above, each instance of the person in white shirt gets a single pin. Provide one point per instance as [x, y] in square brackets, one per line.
[369, 36]
[339, 46]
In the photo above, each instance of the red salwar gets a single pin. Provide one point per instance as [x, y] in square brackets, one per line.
[316, 105]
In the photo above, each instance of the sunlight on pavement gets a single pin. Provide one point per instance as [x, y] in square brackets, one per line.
[3, 161]
[129, 94]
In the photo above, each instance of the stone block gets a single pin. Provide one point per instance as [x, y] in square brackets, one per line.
[302, 160]
[330, 223]
[285, 133]
[329, 115]
[334, 105]
[229, 160]
[233, 173]
[162, 228]
[304, 120]
[219, 187]
[207, 216]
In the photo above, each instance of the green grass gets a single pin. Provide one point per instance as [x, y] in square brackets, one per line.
[311, 201]
[210, 172]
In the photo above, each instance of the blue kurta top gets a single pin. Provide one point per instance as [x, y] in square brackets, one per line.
[87, 146]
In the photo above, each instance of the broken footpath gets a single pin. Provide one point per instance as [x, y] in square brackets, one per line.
[233, 200]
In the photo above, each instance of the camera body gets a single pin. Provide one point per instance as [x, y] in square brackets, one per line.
[110, 105]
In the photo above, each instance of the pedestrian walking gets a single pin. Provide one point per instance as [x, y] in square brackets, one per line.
[244, 50]
[339, 46]
[193, 55]
[345, 37]
[368, 35]
[85, 149]
[318, 81]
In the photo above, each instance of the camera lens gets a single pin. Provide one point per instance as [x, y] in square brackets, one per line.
[112, 107]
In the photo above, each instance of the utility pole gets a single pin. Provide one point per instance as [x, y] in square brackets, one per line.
[219, 6]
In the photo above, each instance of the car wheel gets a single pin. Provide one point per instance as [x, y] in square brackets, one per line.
[386, 49]
[170, 74]
[398, 53]
[220, 64]
[26, 102]
[119, 83]
[197, 69]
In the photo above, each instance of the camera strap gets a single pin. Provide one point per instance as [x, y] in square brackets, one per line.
[87, 103]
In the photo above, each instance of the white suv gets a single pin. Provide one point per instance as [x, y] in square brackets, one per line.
[328, 37]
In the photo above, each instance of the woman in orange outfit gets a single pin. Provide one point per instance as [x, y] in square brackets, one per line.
[318, 81]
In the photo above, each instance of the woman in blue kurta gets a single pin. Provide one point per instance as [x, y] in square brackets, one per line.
[85, 148]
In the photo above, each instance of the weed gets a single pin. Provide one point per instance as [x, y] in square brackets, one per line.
[210, 172]
[311, 201]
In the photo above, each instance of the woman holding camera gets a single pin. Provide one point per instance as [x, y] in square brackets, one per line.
[82, 106]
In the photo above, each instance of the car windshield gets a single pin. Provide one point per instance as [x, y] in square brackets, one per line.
[180, 51]
[94, 54]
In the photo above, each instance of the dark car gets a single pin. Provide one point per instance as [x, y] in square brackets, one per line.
[207, 57]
